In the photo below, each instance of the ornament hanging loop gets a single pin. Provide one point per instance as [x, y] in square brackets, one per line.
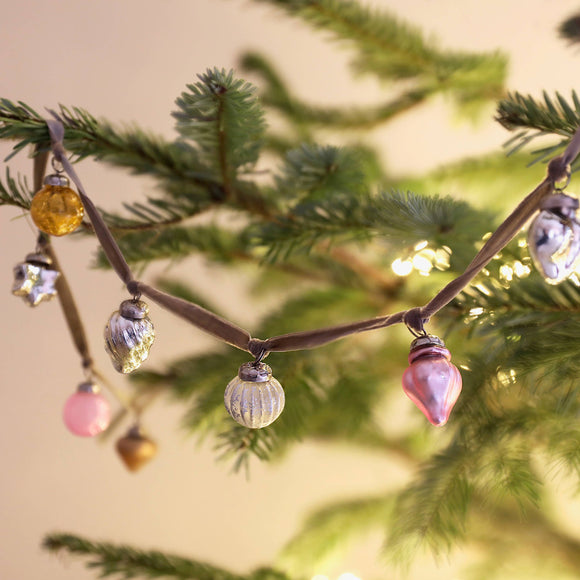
[565, 183]
[415, 322]
[57, 165]
[260, 356]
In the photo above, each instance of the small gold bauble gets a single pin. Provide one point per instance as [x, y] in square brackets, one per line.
[57, 209]
[136, 449]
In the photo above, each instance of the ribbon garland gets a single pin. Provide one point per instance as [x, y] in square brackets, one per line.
[222, 329]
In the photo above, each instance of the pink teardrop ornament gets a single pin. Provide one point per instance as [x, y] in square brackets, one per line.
[87, 413]
[431, 381]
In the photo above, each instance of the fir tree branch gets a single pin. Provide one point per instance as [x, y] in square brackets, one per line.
[127, 562]
[401, 220]
[536, 118]
[190, 184]
[277, 96]
[222, 116]
[570, 29]
[394, 50]
[143, 247]
[332, 528]
[16, 192]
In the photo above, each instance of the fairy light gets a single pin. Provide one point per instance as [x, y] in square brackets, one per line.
[483, 289]
[521, 270]
[507, 377]
[422, 262]
[348, 576]
[506, 273]
[442, 258]
[402, 267]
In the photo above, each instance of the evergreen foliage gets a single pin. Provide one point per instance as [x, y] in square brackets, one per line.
[321, 232]
[126, 562]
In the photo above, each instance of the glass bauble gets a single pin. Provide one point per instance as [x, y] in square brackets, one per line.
[136, 449]
[431, 381]
[87, 413]
[34, 280]
[554, 238]
[129, 335]
[254, 398]
[57, 209]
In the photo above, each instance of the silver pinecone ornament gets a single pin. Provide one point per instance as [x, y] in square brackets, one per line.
[254, 398]
[129, 335]
[34, 280]
[554, 238]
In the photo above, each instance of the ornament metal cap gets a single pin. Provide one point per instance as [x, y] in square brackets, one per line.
[255, 372]
[38, 259]
[133, 309]
[427, 340]
[561, 204]
[88, 387]
[56, 179]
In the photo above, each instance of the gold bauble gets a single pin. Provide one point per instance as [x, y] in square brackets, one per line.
[57, 209]
[136, 449]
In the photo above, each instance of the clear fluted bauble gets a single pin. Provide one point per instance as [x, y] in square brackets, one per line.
[554, 238]
[431, 381]
[57, 209]
[129, 335]
[254, 398]
[87, 413]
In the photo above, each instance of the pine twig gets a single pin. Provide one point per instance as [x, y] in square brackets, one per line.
[127, 562]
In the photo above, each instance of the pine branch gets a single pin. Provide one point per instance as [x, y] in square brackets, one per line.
[470, 179]
[396, 51]
[314, 171]
[333, 527]
[176, 242]
[536, 118]
[401, 220]
[127, 562]
[16, 192]
[154, 213]
[222, 116]
[570, 29]
[277, 96]
[190, 184]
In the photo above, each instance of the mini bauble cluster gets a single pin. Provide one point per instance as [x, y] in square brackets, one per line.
[254, 398]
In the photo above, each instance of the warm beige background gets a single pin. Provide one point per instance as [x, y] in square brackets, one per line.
[127, 60]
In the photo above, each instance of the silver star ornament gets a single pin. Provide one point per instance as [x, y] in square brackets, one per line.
[34, 280]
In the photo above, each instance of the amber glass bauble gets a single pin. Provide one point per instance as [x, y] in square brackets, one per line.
[57, 209]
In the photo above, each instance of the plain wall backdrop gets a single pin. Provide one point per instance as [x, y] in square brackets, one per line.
[127, 61]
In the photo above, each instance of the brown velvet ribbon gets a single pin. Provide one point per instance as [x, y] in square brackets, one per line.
[414, 318]
[64, 293]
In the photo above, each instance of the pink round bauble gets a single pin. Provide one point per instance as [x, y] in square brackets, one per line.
[86, 414]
